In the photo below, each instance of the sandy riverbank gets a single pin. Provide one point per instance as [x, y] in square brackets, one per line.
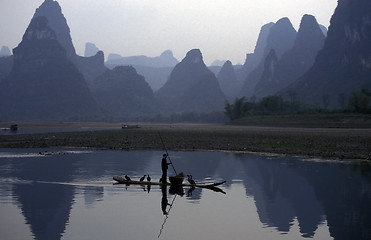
[331, 143]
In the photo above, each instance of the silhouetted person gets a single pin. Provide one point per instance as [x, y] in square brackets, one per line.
[164, 167]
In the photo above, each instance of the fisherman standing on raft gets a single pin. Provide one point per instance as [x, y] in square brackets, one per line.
[164, 166]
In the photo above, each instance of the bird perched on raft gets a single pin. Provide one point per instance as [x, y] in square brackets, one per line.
[148, 178]
[142, 178]
[127, 178]
[190, 180]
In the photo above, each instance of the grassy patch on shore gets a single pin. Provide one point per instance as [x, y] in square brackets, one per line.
[311, 120]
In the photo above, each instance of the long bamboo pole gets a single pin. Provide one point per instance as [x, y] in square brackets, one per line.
[167, 153]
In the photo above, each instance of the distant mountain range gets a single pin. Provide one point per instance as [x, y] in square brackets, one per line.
[6, 62]
[56, 21]
[123, 93]
[191, 87]
[5, 52]
[280, 72]
[90, 49]
[344, 63]
[253, 59]
[156, 70]
[166, 59]
[43, 83]
[228, 80]
[45, 80]
[281, 38]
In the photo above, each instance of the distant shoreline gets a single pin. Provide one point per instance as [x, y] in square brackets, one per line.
[330, 143]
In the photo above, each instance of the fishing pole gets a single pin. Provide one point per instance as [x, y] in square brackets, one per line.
[167, 154]
[167, 216]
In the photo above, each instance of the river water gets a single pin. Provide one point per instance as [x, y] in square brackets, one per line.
[70, 194]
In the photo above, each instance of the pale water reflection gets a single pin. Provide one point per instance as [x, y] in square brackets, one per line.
[63, 194]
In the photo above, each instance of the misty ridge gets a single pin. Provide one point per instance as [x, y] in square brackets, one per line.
[45, 80]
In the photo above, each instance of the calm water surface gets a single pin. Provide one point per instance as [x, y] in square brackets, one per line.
[70, 194]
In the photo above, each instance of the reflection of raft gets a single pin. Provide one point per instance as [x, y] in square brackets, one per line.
[121, 180]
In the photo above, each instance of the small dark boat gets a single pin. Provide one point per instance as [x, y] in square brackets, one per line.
[177, 180]
[14, 127]
[126, 126]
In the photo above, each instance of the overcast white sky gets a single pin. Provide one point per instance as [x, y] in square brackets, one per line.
[222, 29]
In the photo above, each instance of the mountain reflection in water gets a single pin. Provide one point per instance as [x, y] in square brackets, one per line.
[70, 195]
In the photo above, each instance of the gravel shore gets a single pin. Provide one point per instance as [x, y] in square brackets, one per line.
[332, 143]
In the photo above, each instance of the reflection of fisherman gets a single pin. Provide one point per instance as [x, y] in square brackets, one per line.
[164, 201]
[164, 166]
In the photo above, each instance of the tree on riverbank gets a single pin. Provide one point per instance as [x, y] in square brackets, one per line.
[358, 102]
[267, 105]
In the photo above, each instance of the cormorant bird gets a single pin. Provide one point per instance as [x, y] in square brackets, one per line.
[190, 180]
[127, 178]
[148, 178]
[142, 178]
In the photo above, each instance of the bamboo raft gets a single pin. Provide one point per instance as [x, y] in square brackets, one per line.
[212, 186]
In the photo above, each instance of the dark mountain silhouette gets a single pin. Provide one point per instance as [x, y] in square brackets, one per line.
[166, 59]
[283, 192]
[156, 77]
[218, 62]
[295, 62]
[90, 49]
[267, 80]
[5, 52]
[253, 59]
[344, 64]
[261, 45]
[46, 207]
[215, 69]
[53, 12]
[156, 70]
[324, 29]
[6, 64]
[123, 92]
[228, 80]
[281, 38]
[191, 87]
[43, 84]
[91, 67]
[343, 199]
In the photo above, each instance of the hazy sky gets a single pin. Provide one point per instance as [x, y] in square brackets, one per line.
[222, 29]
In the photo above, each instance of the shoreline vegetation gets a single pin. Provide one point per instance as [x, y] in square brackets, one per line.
[352, 142]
